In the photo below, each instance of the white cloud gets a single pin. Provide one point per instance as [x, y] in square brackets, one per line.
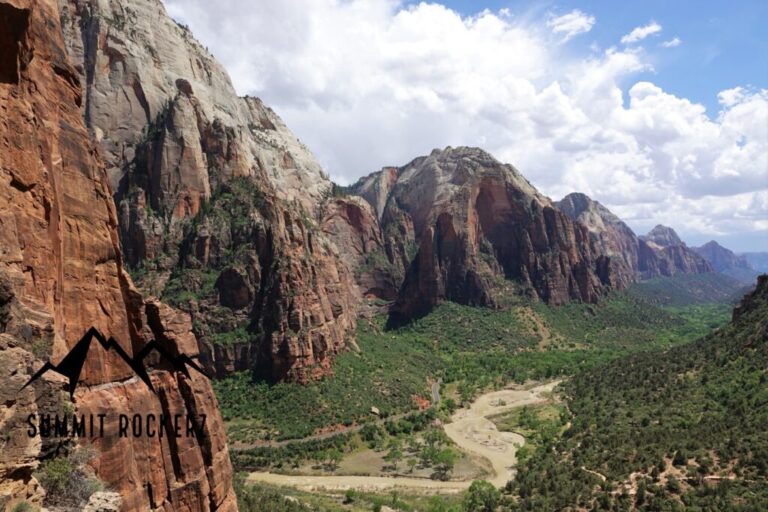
[640, 33]
[571, 24]
[675, 41]
[370, 83]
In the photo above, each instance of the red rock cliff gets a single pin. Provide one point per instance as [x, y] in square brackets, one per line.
[483, 233]
[61, 272]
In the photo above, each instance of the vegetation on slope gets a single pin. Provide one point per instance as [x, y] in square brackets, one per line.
[470, 348]
[682, 428]
[688, 289]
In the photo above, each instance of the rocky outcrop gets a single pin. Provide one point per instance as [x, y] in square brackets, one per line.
[482, 230]
[673, 255]
[376, 187]
[265, 288]
[661, 253]
[61, 272]
[352, 224]
[727, 262]
[175, 136]
[628, 256]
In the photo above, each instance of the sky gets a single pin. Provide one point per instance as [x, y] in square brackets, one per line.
[659, 110]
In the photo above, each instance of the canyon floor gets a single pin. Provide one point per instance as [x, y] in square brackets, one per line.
[470, 429]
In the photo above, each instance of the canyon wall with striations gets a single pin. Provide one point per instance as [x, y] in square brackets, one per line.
[264, 284]
[661, 253]
[482, 233]
[61, 272]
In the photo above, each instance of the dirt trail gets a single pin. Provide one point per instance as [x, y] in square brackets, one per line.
[469, 429]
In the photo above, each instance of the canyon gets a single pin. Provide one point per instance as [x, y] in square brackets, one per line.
[141, 196]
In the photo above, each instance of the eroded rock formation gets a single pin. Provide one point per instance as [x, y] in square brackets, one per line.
[176, 137]
[660, 253]
[61, 272]
[482, 230]
[674, 256]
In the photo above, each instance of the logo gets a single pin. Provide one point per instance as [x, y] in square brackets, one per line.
[72, 364]
[127, 425]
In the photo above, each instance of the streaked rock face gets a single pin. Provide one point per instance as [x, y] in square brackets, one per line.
[660, 253]
[673, 255]
[481, 229]
[174, 133]
[61, 272]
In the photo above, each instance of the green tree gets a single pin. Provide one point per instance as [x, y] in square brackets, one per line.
[333, 458]
[445, 461]
[482, 497]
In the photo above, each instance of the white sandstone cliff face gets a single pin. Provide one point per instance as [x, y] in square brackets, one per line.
[181, 148]
[134, 60]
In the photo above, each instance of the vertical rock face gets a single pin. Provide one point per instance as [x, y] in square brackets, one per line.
[265, 288]
[610, 233]
[352, 224]
[61, 272]
[660, 253]
[673, 255]
[481, 228]
[376, 187]
[176, 137]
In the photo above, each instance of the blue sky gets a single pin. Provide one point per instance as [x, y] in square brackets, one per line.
[724, 43]
[659, 110]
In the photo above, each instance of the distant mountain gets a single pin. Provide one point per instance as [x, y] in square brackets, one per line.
[757, 260]
[660, 253]
[677, 257]
[663, 236]
[726, 261]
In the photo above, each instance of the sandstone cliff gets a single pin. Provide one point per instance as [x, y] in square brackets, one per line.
[661, 253]
[176, 136]
[674, 256]
[61, 272]
[483, 233]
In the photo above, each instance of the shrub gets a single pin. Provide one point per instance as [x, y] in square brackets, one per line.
[67, 480]
[482, 497]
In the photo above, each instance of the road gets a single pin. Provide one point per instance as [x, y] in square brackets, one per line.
[469, 428]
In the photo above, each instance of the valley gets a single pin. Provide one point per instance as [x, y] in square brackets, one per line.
[437, 335]
[487, 363]
[470, 430]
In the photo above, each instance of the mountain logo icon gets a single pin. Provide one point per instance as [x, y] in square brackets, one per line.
[72, 364]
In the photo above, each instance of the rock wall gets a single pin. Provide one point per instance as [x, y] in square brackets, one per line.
[174, 133]
[265, 288]
[61, 272]
[660, 253]
[483, 233]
